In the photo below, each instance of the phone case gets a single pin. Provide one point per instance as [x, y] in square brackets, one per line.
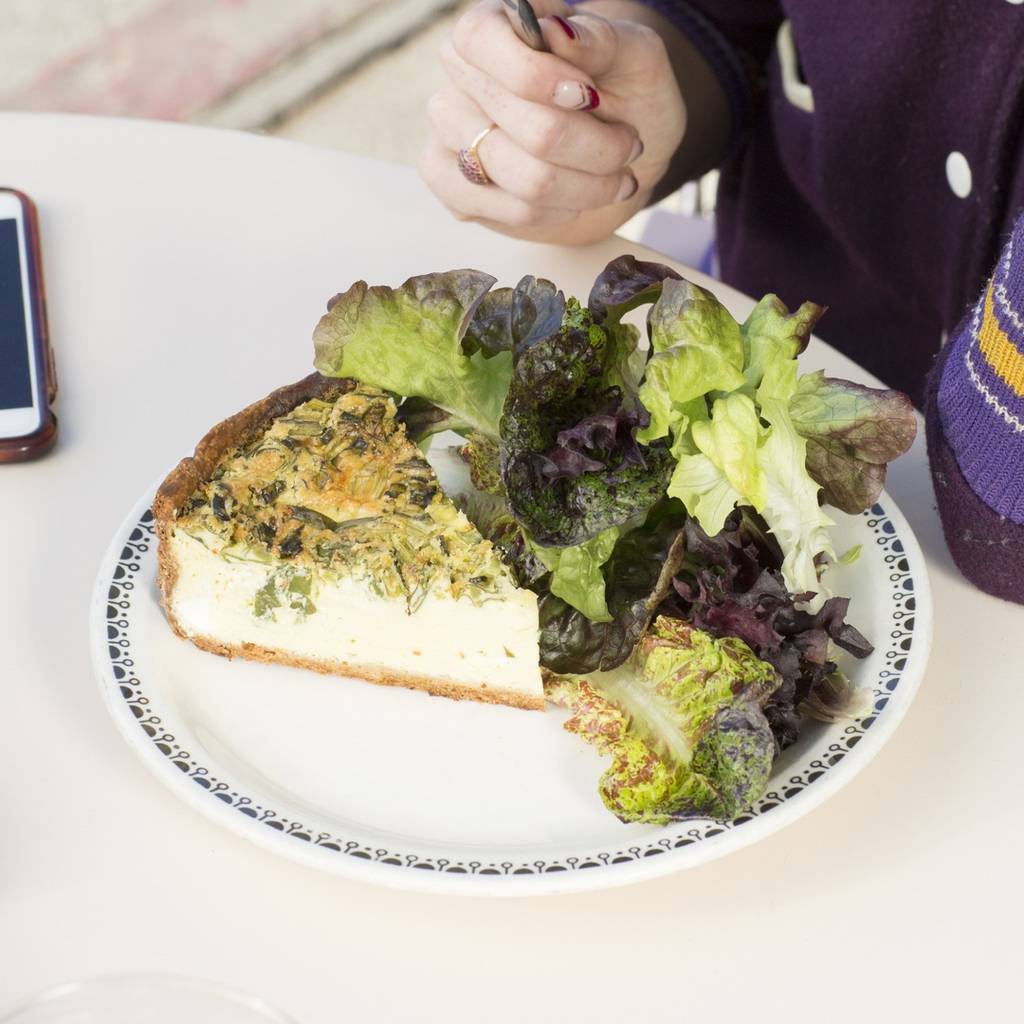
[31, 446]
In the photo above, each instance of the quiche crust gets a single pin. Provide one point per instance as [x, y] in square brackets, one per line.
[378, 674]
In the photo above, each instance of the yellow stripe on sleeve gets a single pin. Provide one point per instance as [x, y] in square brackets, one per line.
[999, 351]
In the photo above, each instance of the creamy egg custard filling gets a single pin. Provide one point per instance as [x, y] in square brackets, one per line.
[325, 541]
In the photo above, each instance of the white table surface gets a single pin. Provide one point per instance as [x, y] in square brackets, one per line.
[185, 270]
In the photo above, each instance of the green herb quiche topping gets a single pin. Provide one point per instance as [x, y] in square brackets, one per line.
[335, 489]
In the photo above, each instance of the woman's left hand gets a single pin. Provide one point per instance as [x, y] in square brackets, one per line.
[582, 134]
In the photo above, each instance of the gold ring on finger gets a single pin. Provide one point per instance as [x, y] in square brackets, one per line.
[469, 160]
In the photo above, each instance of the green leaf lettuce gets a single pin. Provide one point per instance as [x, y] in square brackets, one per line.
[408, 340]
[576, 575]
[772, 333]
[637, 577]
[852, 432]
[683, 722]
[791, 510]
[696, 348]
[739, 462]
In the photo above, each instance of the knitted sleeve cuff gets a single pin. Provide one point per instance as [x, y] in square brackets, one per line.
[728, 65]
[986, 547]
[981, 393]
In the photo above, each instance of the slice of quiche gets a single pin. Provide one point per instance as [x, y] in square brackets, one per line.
[309, 530]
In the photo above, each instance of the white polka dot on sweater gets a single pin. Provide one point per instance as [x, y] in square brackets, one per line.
[958, 173]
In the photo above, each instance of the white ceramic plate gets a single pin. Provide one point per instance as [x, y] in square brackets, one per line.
[396, 787]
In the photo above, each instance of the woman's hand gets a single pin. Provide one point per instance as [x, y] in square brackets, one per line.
[584, 133]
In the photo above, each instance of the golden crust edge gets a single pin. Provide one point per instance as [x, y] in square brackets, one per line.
[370, 673]
[191, 471]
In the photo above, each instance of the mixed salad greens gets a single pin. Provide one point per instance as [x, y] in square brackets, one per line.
[663, 496]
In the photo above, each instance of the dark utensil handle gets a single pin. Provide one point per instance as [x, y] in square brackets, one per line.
[524, 23]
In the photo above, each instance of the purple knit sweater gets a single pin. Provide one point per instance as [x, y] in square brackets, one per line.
[877, 167]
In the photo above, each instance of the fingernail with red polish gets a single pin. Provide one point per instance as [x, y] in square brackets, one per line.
[576, 96]
[565, 26]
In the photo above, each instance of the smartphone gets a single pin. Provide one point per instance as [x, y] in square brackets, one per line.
[28, 382]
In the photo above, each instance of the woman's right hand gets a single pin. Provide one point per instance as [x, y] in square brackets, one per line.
[584, 134]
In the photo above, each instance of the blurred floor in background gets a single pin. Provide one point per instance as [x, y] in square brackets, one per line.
[352, 74]
[379, 109]
[235, 63]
